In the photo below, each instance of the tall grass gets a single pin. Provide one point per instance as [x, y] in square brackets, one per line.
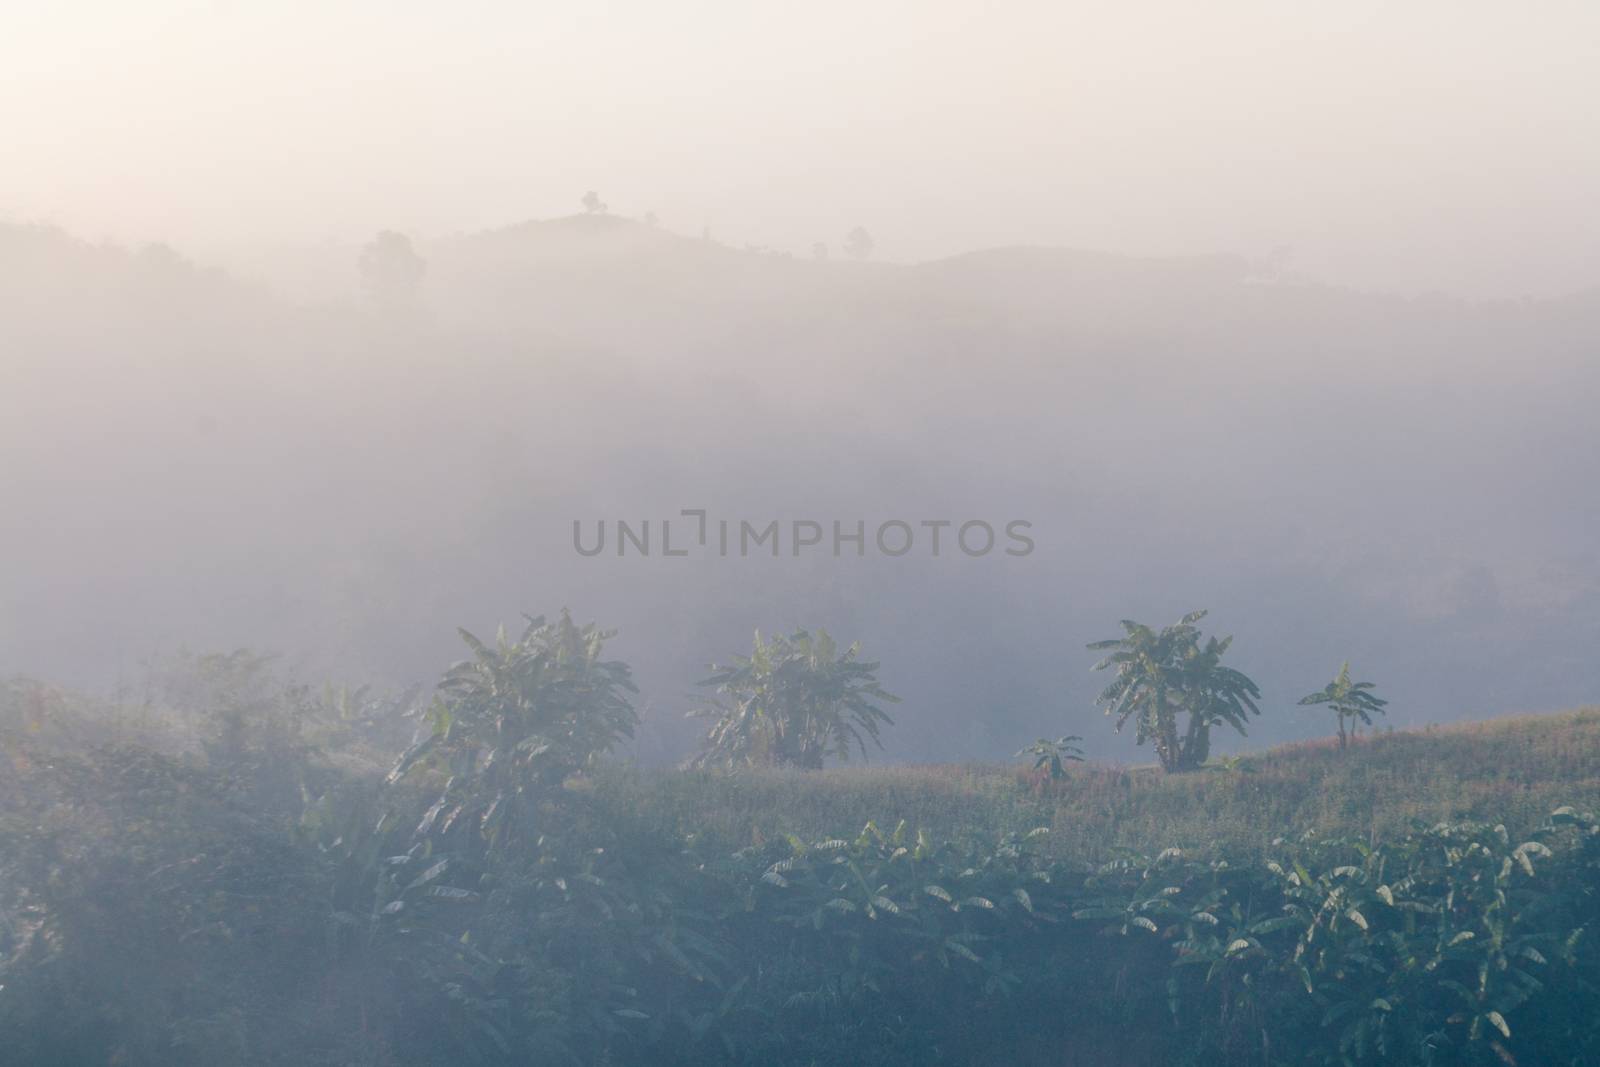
[1513, 771]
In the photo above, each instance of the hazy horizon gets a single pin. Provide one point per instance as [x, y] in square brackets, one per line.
[1436, 147]
[1244, 419]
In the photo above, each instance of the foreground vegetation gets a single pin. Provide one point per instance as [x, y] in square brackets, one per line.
[240, 871]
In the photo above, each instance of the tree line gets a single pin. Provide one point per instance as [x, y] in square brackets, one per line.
[798, 699]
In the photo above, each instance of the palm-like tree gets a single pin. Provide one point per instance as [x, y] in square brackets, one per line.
[1349, 700]
[1162, 674]
[794, 701]
[1053, 756]
[515, 721]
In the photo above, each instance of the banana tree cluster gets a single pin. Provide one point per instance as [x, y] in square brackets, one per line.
[1419, 951]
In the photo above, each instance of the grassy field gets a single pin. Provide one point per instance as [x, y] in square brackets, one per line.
[1513, 770]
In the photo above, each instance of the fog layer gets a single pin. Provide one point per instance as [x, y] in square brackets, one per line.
[190, 460]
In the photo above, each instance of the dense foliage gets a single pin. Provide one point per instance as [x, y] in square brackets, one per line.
[170, 901]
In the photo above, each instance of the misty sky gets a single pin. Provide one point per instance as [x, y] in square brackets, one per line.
[1425, 145]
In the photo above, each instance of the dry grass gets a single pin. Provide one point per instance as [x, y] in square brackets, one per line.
[1513, 771]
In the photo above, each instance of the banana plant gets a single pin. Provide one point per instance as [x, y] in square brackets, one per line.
[1350, 701]
[1424, 950]
[896, 898]
[513, 723]
[1053, 756]
[795, 701]
[1162, 675]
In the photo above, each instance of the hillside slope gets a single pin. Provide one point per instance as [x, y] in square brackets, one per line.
[1513, 771]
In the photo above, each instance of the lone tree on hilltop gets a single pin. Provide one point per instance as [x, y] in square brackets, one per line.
[858, 244]
[391, 271]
